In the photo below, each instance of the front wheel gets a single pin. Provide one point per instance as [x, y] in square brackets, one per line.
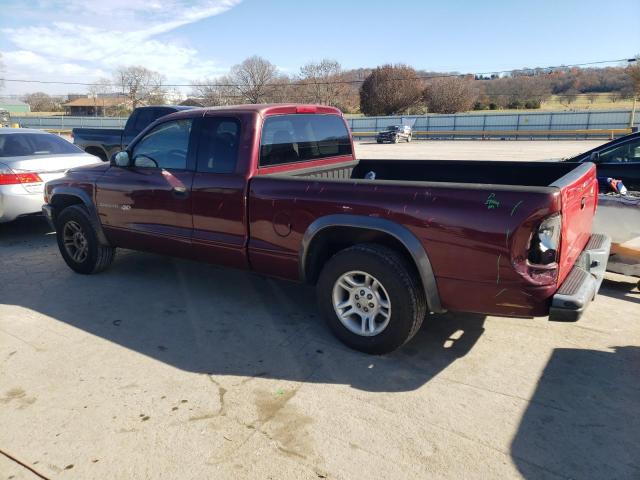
[78, 241]
[408, 138]
[371, 298]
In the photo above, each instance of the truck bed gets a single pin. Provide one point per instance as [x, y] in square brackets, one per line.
[520, 174]
[479, 214]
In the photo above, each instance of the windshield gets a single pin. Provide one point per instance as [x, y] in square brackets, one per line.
[26, 144]
[393, 128]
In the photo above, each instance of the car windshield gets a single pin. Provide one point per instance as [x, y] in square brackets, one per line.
[27, 144]
[393, 128]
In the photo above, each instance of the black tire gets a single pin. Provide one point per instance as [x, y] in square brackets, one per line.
[405, 292]
[379, 141]
[396, 139]
[98, 256]
[97, 153]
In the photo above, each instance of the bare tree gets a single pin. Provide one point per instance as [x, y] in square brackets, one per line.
[322, 83]
[282, 90]
[568, 97]
[592, 97]
[101, 87]
[449, 95]
[389, 90]
[213, 92]
[139, 85]
[633, 71]
[253, 78]
[41, 102]
[614, 97]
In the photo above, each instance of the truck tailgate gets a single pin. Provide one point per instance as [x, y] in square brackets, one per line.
[579, 197]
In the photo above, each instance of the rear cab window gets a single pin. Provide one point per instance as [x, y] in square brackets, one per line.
[296, 138]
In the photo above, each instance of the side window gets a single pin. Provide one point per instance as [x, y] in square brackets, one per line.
[295, 138]
[627, 152]
[218, 145]
[165, 146]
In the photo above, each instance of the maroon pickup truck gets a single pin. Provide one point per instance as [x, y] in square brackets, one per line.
[277, 189]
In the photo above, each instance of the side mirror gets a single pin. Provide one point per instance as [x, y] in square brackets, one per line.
[594, 157]
[121, 159]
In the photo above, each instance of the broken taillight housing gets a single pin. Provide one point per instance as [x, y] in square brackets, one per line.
[545, 242]
[544, 250]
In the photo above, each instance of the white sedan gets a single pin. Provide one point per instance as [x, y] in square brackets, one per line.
[28, 159]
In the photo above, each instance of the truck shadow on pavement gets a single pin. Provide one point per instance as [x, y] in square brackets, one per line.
[582, 421]
[204, 319]
[621, 290]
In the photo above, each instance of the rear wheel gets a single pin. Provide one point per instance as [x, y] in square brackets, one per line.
[98, 153]
[78, 241]
[370, 298]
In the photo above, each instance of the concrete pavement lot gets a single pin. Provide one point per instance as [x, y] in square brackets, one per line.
[475, 149]
[164, 368]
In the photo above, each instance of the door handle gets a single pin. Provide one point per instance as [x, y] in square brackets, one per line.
[180, 191]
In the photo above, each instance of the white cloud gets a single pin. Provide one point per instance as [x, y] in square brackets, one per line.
[82, 41]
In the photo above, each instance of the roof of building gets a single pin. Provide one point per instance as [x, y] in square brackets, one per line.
[96, 102]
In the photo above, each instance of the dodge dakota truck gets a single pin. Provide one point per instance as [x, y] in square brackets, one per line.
[277, 189]
[104, 142]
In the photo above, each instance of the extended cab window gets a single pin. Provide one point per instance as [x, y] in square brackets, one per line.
[627, 152]
[218, 145]
[295, 138]
[165, 146]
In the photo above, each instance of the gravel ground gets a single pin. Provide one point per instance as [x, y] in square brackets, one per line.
[163, 368]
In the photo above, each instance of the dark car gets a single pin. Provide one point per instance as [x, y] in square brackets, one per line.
[619, 159]
[394, 134]
[104, 142]
[276, 189]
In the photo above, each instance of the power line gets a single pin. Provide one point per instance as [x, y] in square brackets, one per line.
[335, 82]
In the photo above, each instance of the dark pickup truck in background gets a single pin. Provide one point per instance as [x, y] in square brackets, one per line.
[104, 142]
[277, 189]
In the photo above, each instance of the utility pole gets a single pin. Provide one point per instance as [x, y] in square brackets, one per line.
[635, 99]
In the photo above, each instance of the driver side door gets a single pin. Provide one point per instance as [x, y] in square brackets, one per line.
[147, 205]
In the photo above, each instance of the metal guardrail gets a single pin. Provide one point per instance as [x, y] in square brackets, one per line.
[492, 134]
[63, 122]
[583, 124]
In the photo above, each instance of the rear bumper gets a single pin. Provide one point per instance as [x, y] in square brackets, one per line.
[583, 282]
[15, 201]
[47, 211]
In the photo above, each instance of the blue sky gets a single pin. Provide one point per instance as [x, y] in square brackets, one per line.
[81, 40]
